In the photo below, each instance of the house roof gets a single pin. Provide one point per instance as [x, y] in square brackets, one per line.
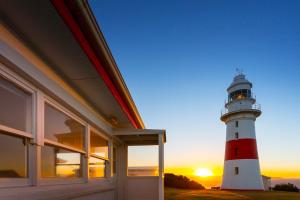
[81, 21]
[67, 37]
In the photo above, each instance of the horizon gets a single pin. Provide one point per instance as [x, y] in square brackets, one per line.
[178, 60]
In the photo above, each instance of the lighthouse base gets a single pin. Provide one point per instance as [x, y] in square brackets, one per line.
[243, 174]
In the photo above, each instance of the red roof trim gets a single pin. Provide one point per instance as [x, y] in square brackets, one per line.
[66, 15]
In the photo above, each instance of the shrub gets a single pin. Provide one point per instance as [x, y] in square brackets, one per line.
[181, 182]
[286, 187]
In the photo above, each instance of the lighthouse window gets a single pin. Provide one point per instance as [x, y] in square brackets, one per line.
[236, 151]
[236, 170]
[236, 135]
[236, 123]
[239, 94]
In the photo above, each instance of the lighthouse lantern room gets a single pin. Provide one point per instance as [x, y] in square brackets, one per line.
[241, 165]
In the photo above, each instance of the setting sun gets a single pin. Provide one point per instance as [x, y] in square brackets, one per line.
[203, 172]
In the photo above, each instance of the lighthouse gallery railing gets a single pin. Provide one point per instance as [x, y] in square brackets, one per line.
[255, 106]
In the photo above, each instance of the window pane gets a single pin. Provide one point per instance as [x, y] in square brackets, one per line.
[96, 167]
[57, 162]
[13, 156]
[15, 106]
[98, 145]
[63, 129]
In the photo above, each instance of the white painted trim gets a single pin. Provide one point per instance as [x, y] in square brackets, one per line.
[60, 181]
[14, 182]
[137, 131]
[40, 118]
[16, 79]
[161, 167]
[108, 165]
[85, 167]
[35, 164]
[13, 131]
[53, 143]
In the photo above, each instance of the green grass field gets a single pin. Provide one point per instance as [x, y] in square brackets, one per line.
[178, 194]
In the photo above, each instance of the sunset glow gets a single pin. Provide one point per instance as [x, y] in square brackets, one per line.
[203, 172]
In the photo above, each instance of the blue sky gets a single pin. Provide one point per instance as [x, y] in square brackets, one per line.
[178, 57]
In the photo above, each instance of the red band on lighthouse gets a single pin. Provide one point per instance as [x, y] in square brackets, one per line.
[241, 149]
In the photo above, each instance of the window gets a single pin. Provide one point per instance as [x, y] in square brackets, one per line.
[99, 155]
[236, 151]
[13, 156]
[61, 128]
[236, 170]
[239, 94]
[98, 145]
[58, 162]
[15, 106]
[236, 135]
[15, 129]
[96, 167]
[236, 123]
[63, 136]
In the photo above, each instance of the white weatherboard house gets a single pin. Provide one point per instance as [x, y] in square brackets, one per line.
[241, 165]
[66, 115]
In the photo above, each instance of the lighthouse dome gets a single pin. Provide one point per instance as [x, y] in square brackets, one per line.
[239, 82]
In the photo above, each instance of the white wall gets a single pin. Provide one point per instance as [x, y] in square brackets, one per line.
[246, 129]
[142, 188]
[249, 177]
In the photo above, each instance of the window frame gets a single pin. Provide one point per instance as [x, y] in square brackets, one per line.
[31, 135]
[58, 180]
[57, 106]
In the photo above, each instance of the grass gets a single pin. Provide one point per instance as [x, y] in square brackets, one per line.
[179, 194]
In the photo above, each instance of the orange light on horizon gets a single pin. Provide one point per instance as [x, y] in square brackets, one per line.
[203, 172]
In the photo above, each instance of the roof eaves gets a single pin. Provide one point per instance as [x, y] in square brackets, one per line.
[118, 88]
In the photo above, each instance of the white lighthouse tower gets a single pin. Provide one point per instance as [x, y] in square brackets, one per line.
[241, 165]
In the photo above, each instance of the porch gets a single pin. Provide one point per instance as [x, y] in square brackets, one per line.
[140, 184]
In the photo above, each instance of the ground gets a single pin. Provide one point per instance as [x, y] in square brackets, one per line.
[179, 194]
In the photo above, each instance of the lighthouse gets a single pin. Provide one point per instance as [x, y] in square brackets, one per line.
[241, 164]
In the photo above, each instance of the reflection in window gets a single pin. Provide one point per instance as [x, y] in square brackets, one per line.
[98, 145]
[96, 167]
[58, 162]
[15, 106]
[13, 156]
[63, 129]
